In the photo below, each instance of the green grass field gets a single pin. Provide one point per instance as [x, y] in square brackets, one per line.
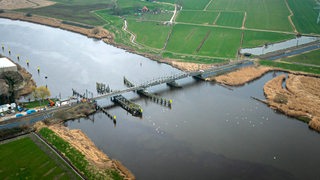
[305, 16]
[306, 58]
[220, 42]
[233, 19]
[152, 34]
[197, 17]
[292, 67]
[23, 159]
[256, 38]
[270, 15]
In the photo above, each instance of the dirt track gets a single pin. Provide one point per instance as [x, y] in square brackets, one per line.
[21, 4]
[300, 98]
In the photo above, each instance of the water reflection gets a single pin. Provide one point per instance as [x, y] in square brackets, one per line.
[298, 41]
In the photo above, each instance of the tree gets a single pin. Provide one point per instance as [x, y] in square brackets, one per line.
[41, 92]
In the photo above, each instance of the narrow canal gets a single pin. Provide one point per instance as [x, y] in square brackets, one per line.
[210, 132]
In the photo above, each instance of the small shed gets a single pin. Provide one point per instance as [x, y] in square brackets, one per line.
[7, 65]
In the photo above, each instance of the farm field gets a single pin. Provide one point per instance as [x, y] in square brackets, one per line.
[269, 15]
[256, 38]
[207, 41]
[152, 34]
[233, 19]
[23, 159]
[208, 29]
[197, 17]
[305, 16]
[306, 58]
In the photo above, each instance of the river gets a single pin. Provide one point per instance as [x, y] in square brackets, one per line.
[210, 133]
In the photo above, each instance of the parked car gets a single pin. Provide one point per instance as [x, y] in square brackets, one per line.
[19, 115]
[30, 111]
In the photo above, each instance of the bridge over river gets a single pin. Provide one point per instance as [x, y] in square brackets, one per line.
[201, 74]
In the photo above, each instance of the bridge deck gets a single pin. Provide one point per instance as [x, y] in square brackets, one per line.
[162, 80]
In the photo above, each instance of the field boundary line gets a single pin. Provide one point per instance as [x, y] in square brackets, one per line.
[244, 20]
[236, 28]
[216, 19]
[290, 16]
[203, 41]
[205, 8]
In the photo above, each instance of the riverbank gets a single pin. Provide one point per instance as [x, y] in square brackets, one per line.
[241, 76]
[96, 32]
[98, 161]
[99, 33]
[300, 98]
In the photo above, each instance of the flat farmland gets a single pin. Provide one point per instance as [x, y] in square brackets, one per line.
[305, 16]
[221, 43]
[194, 4]
[269, 15]
[256, 38]
[152, 34]
[207, 41]
[233, 19]
[23, 159]
[197, 17]
[165, 16]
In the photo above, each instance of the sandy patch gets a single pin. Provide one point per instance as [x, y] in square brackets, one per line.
[300, 98]
[241, 76]
[21, 4]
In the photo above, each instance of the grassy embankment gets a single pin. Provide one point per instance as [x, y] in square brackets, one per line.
[292, 67]
[23, 159]
[75, 157]
[211, 35]
[307, 62]
[310, 58]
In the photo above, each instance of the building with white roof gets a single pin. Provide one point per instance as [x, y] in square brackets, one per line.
[7, 65]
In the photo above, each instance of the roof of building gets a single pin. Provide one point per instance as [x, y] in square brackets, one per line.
[5, 62]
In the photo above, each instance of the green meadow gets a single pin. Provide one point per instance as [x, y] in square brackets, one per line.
[23, 159]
